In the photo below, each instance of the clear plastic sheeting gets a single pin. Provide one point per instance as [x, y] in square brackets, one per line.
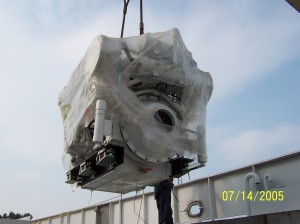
[156, 96]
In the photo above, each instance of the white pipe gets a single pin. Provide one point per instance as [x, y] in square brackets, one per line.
[267, 179]
[99, 121]
[146, 208]
[247, 188]
[83, 216]
[252, 175]
[175, 206]
[111, 213]
[121, 212]
[211, 198]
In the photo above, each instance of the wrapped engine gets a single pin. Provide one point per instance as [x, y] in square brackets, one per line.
[134, 113]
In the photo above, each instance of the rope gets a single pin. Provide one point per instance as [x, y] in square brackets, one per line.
[139, 214]
[124, 16]
[175, 196]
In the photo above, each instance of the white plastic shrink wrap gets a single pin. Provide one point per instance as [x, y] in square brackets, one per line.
[153, 90]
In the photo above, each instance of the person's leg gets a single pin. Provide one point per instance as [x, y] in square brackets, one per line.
[168, 219]
[160, 210]
[168, 213]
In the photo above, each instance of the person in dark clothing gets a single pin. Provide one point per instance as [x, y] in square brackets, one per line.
[162, 194]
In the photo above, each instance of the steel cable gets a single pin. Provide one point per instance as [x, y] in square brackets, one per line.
[124, 16]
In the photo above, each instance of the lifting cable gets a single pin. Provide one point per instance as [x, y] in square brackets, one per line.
[124, 16]
[141, 18]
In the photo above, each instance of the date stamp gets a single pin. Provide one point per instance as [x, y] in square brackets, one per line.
[267, 196]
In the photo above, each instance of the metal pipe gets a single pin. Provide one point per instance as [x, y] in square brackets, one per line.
[146, 208]
[267, 179]
[83, 216]
[110, 213]
[247, 188]
[99, 121]
[211, 196]
[61, 219]
[121, 212]
[97, 210]
[175, 206]
[68, 218]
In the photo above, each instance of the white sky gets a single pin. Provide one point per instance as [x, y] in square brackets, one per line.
[250, 47]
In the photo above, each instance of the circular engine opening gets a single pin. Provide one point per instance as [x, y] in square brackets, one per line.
[195, 209]
[165, 119]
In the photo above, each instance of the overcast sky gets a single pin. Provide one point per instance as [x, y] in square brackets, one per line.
[250, 47]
